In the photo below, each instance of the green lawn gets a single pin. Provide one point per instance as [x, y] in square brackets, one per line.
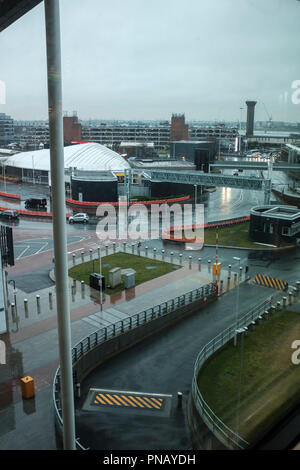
[234, 235]
[270, 383]
[82, 272]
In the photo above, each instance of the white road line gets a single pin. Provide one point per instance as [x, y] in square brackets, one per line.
[23, 252]
[41, 248]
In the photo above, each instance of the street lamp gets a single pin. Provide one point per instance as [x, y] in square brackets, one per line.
[237, 301]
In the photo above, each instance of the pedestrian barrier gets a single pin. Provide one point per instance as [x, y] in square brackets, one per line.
[272, 282]
[143, 318]
[10, 196]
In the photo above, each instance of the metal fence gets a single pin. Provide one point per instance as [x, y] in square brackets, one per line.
[215, 424]
[90, 342]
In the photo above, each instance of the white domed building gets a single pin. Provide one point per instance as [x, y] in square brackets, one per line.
[90, 166]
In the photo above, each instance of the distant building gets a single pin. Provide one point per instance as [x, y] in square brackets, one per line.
[72, 129]
[200, 153]
[137, 149]
[6, 129]
[179, 130]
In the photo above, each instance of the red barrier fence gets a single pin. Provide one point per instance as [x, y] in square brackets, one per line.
[45, 215]
[11, 196]
[85, 204]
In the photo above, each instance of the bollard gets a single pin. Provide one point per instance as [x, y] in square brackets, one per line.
[252, 325]
[163, 255]
[74, 283]
[82, 256]
[74, 259]
[199, 264]
[298, 287]
[266, 314]
[73, 293]
[209, 265]
[290, 298]
[278, 304]
[13, 312]
[259, 320]
[180, 258]
[228, 283]
[132, 248]
[229, 270]
[82, 285]
[284, 299]
[26, 308]
[91, 254]
[246, 272]
[154, 253]
[235, 277]
[78, 390]
[241, 271]
[146, 251]
[171, 256]
[114, 247]
[190, 262]
[50, 300]
[106, 250]
[272, 310]
[124, 247]
[221, 286]
[38, 304]
[179, 400]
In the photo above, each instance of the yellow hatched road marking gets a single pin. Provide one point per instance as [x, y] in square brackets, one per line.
[157, 400]
[113, 399]
[120, 399]
[99, 400]
[127, 399]
[105, 399]
[143, 401]
[137, 402]
[152, 403]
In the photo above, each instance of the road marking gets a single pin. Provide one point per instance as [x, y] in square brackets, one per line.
[24, 251]
[128, 400]
[271, 282]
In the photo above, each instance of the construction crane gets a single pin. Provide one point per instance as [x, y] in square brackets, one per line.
[269, 116]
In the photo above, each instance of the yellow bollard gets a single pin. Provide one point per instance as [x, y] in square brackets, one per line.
[27, 385]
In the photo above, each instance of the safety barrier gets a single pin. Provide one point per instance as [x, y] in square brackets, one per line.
[107, 334]
[228, 437]
[95, 205]
[11, 196]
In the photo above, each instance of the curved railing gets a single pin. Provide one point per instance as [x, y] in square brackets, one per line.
[226, 435]
[104, 334]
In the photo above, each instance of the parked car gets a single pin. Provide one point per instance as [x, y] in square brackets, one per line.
[35, 203]
[81, 217]
[9, 214]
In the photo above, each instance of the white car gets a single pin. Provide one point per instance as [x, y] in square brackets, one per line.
[81, 217]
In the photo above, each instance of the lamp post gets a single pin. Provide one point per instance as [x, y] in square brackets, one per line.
[100, 282]
[240, 136]
[237, 301]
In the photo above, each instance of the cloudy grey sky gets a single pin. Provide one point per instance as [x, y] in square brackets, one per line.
[144, 59]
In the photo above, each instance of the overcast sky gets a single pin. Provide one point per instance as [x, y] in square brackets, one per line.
[145, 59]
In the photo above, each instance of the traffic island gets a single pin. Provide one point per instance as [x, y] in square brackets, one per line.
[145, 269]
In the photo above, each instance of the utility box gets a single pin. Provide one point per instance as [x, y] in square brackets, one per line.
[115, 277]
[129, 280]
[95, 281]
[27, 386]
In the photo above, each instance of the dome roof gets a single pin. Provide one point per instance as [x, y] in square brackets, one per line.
[90, 156]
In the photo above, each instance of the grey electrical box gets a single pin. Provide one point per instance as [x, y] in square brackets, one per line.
[129, 280]
[115, 277]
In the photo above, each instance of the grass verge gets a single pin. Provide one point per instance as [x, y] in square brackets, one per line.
[269, 381]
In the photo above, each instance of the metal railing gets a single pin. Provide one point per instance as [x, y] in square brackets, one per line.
[100, 336]
[215, 424]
